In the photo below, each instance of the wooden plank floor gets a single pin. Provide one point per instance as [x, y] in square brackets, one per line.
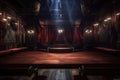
[40, 58]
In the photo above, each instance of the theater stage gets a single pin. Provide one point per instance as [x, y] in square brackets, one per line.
[74, 59]
[87, 62]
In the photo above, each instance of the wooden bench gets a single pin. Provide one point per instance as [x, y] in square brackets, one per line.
[13, 50]
[110, 50]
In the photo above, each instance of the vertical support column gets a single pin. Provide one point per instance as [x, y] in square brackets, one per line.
[36, 73]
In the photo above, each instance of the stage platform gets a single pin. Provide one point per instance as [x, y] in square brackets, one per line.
[73, 59]
[60, 48]
[95, 63]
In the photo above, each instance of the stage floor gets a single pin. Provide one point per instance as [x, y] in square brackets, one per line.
[75, 58]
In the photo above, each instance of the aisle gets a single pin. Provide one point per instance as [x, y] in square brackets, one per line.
[60, 74]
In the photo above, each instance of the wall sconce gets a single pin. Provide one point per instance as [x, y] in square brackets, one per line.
[4, 17]
[60, 31]
[30, 32]
[16, 23]
[117, 14]
[37, 7]
[9, 18]
[107, 19]
[0, 13]
[96, 24]
[88, 31]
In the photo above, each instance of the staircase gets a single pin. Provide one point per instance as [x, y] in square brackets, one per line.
[60, 48]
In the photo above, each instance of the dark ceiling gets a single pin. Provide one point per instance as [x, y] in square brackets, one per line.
[25, 9]
[92, 9]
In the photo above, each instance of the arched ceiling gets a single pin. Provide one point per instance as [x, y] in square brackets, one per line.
[86, 10]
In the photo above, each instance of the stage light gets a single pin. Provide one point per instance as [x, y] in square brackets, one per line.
[90, 31]
[96, 24]
[105, 20]
[16, 23]
[109, 18]
[4, 19]
[8, 24]
[37, 7]
[60, 15]
[58, 1]
[87, 31]
[117, 14]
[9, 18]
[60, 31]
[30, 32]
[0, 13]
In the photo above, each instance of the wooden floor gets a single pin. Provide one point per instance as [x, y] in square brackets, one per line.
[60, 59]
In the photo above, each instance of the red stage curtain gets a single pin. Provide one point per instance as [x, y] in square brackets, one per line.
[46, 35]
[49, 35]
[39, 34]
[68, 35]
[77, 37]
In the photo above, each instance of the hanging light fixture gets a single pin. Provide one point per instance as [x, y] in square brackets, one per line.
[107, 19]
[60, 31]
[0, 13]
[117, 14]
[9, 18]
[96, 24]
[4, 17]
[37, 7]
